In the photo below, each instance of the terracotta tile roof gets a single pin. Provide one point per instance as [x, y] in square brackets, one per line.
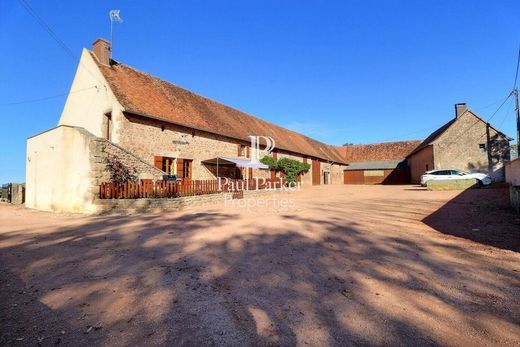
[378, 151]
[146, 95]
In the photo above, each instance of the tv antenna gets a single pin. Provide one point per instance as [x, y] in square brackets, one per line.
[114, 17]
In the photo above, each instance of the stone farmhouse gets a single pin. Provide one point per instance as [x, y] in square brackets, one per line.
[466, 142]
[159, 129]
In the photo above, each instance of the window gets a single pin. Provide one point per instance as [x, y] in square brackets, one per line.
[241, 150]
[107, 131]
[440, 172]
[167, 165]
[482, 146]
[186, 168]
[174, 166]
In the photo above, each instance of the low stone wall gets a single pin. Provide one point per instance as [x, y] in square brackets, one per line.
[132, 206]
[514, 194]
[101, 149]
[452, 184]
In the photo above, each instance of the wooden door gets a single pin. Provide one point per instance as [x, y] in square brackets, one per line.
[316, 172]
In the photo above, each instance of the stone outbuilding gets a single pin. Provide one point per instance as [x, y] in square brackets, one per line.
[378, 163]
[466, 142]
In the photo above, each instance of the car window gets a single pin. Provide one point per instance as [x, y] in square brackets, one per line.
[454, 172]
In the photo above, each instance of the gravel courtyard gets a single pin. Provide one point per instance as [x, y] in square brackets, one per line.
[330, 265]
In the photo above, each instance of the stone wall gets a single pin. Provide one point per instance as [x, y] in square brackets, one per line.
[147, 138]
[101, 149]
[452, 184]
[471, 144]
[130, 206]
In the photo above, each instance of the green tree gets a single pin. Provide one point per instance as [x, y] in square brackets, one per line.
[270, 161]
[291, 167]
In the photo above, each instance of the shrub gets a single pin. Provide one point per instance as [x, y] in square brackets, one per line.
[269, 161]
[291, 167]
[119, 173]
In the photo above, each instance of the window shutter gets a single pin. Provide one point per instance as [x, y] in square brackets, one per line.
[248, 153]
[157, 162]
[238, 149]
[275, 154]
[305, 160]
[180, 168]
[190, 168]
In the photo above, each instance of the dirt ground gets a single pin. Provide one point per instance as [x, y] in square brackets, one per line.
[330, 265]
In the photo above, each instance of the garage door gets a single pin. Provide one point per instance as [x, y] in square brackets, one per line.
[354, 177]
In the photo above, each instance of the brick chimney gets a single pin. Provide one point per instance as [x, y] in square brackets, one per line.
[101, 49]
[460, 108]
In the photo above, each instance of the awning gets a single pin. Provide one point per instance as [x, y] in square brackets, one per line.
[237, 162]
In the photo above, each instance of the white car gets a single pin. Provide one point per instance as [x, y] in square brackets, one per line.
[483, 179]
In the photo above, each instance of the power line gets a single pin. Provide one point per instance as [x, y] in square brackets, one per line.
[47, 28]
[499, 107]
[45, 97]
[55, 37]
[505, 115]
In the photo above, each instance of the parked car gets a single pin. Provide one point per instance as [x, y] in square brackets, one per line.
[483, 179]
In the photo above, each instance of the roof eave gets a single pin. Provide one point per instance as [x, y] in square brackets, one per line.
[161, 119]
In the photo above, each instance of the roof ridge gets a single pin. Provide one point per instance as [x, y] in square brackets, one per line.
[381, 143]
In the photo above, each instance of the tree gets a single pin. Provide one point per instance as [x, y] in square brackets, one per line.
[514, 151]
[291, 167]
[348, 144]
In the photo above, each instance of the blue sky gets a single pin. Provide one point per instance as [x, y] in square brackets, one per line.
[356, 71]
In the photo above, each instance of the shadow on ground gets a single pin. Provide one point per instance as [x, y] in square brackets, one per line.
[192, 280]
[481, 215]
